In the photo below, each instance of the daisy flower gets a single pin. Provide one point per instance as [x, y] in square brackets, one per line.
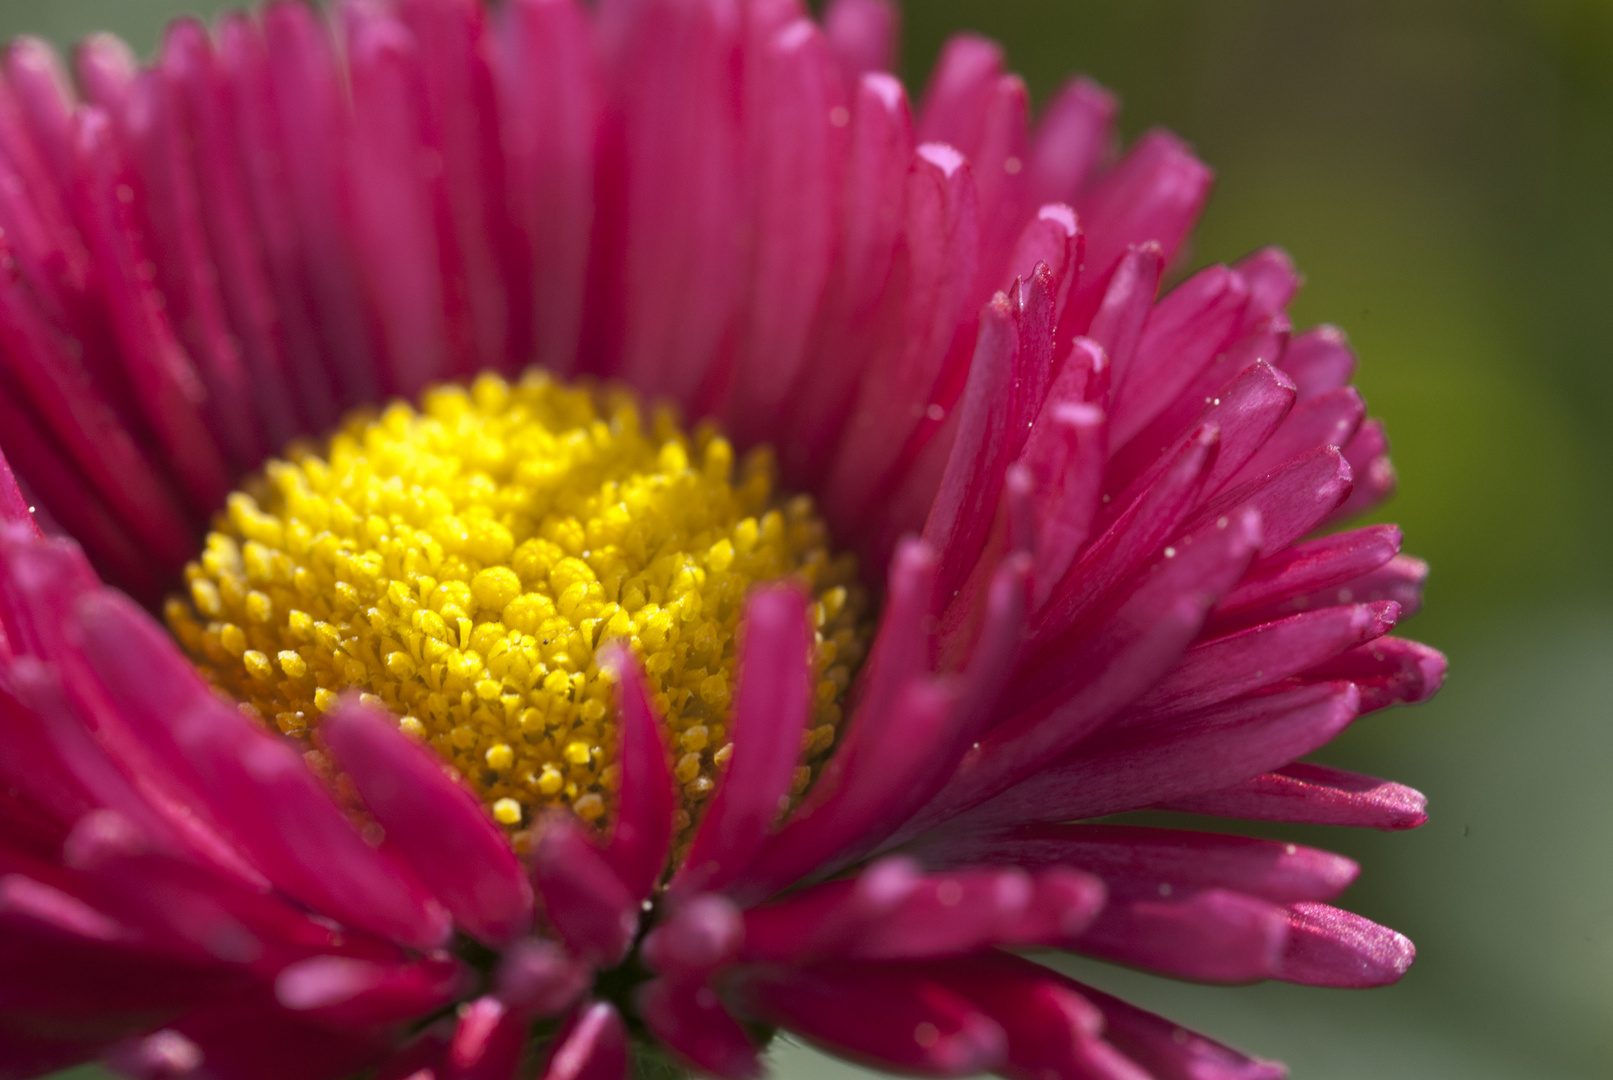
[563, 539]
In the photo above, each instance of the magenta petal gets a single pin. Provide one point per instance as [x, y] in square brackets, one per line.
[1155, 193]
[582, 896]
[1185, 330]
[44, 100]
[1210, 936]
[890, 1016]
[960, 90]
[348, 993]
[1114, 663]
[539, 978]
[1169, 1051]
[592, 1046]
[392, 225]
[687, 1017]
[1388, 671]
[772, 706]
[942, 238]
[1205, 752]
[795, 160]
[1072, 137]
[1292, 500]
[488, 1043]
[437, 826]
[862, 36]
[14, 508]
[1052, 1029]
[1313, 794]
[879, 154]
[1273, 583]
[1240, 663]
[1319, 360]
[1330, 947]
[825, 920]
[253, 783]
[699, 934]
[1135, 861]
[966, 504]
[162, 377]
[1329, 419]
[677, 195]
[550, 89]
[1127, 307]
[641, 838]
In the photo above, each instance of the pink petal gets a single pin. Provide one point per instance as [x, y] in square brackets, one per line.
[240, 772]
[1305, 568]
[687, 1017]
[1053, 237]
[280, 307]
[485, 305]
[825, 920]
[1128, 538]
[1329, 419]
[160, 142]
[959, 94]
[582, 896]
[1128, 301]
[1292, 500]
[162, 377]
[433, 822]
[890, 1016]
[1313, 794]
[539, 978]
[998, 159]
[348, 993]
[1212, 750]
[1388, 671]
[44, 99]
[966, 504]
[1401, 580]
[1368, 455]
[1113, 663]
[1272, 279]
[200, 90]
[1051, 1029]
[1155, 193]
[1319, 360]
[14, 508]
[1228, 667]
[772, 707]
[862, 34]
[673, 281]
[641, 838]
[63, 399]
[879, 154]
[796, 160]
[394, 238]
[974, 908]
[1210, 936]
[551, 95]
[592, 1046]
[1169, 1051]
[871, 803]
[699, 934]
[488, 1043]
[1134, 861]
[942, 240]
[1329, 947]
[104, 66]
[1073, 136]
[249, 1037]
[306, 139]
[1185, 331]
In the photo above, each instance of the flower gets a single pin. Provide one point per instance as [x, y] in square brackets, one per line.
[1099, 519]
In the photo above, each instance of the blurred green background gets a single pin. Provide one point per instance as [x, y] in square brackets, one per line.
[1442, 170]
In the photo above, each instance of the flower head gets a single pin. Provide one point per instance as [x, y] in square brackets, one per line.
[503, 722]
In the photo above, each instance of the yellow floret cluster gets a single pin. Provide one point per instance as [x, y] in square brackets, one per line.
[464, 563]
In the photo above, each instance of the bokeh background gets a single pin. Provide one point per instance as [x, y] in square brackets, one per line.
[1442, 170]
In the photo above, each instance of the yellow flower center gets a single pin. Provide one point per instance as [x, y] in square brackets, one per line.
[464, 563]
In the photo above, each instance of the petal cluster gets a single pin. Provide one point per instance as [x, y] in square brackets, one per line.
[1101, 501]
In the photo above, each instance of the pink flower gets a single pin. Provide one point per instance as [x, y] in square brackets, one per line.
[1100, 518]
